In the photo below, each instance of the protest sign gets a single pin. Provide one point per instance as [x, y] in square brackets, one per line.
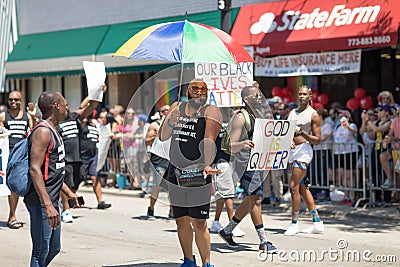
[4, 152]
[333, 62]
[225, 81]
[272, 139]
[104, 144]
[95, 77]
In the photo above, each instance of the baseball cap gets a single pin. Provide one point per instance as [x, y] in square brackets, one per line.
[385, 108]
[142, 117]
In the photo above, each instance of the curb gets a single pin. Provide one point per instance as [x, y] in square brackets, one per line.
[328, 210]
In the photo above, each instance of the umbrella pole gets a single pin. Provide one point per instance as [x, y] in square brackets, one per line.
[180, 82]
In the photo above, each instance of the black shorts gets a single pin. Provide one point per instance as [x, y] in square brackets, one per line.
[346, 161]
[90, 166]
[74, 174]
[251, 183]
[199, 212]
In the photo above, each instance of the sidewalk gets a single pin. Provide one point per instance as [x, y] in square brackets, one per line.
[327, 209]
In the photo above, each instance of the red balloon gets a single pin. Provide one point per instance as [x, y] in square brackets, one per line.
[314, 95]
[353, 103]
[323, 99]
[360, 93]
[287, 91]
[317, 105]
[379, 99]
[277, 91]
[366, 102]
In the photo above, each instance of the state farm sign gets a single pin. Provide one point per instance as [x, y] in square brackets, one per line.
[339, 15]
[299, 26]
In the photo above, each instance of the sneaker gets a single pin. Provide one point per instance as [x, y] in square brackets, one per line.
[189, 263]
[215, 227]
[316, 228]
[150, 213]
[228, 239]
[66, 217]
[387, 184]
[103, 205]
[387, 205]
[277, 202]
[268, 247]
[237, 232]
[292, 230]
[208, 265]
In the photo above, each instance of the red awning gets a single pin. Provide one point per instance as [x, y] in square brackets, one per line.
[295, 26]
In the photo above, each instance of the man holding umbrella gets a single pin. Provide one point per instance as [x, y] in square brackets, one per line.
[193, 127]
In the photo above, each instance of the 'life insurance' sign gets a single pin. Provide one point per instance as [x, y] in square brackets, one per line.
[272, 140]
[225, 81]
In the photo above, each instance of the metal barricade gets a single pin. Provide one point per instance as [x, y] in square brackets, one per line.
[345, 172]
[383, 176]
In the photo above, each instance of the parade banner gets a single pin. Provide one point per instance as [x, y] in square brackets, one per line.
[95, 77]
[309, 64]
[4, 152]
[272, 139]
[225, 81]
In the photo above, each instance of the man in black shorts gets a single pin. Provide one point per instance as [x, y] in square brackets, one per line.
[193, 127]
[250, 181]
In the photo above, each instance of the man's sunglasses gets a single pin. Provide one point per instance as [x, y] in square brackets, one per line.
[14, 99]
[196, 89]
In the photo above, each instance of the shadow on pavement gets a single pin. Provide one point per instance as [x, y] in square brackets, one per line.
[223, 247]
[147, 264]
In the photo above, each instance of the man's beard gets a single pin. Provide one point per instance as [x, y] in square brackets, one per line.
[197, 102]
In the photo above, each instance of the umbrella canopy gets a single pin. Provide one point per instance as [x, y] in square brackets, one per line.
[184, 42]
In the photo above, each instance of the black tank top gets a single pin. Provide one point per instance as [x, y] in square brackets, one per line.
[18, 128]
[70, 131]
[221, 155]
[187, 139]
[90, 138]
[54, 179]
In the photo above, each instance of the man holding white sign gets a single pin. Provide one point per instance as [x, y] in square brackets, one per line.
[240, 145]
[308, 132]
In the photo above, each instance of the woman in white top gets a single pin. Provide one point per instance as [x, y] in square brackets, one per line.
[345, 150]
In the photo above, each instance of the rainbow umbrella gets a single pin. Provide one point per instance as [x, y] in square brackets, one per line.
[184, 42]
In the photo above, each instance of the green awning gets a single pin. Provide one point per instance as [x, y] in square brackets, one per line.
[62, 52]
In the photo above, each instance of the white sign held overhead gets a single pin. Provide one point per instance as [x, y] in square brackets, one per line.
[95, 76]
[225, 81]
[334, 62]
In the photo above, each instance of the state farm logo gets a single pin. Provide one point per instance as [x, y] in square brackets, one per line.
[295, 20]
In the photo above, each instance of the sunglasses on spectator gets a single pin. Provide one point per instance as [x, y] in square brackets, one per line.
[14, 99]
[371, 114]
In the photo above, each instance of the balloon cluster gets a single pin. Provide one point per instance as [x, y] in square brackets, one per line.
[360, 99]
[318, 100]
[285, 93]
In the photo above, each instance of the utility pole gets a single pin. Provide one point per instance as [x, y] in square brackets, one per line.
[225, 7]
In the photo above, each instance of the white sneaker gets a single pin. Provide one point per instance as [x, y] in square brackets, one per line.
[66, 216]
[316, 228]
[293, 229]
[215, 227]
[237, 232]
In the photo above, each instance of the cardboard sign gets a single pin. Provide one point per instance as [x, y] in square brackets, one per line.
[272, 139]
[225, 81]
[95, 77]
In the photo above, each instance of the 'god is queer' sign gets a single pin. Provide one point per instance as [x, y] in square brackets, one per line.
[272, 139]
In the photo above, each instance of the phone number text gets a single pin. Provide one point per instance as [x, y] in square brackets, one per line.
[368, 40]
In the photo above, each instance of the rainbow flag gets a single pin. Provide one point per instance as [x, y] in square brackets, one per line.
[166, 92]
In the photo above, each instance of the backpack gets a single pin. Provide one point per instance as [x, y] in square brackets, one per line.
[226, 137]
[18, 178]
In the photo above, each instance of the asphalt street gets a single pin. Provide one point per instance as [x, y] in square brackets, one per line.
[123, 236]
